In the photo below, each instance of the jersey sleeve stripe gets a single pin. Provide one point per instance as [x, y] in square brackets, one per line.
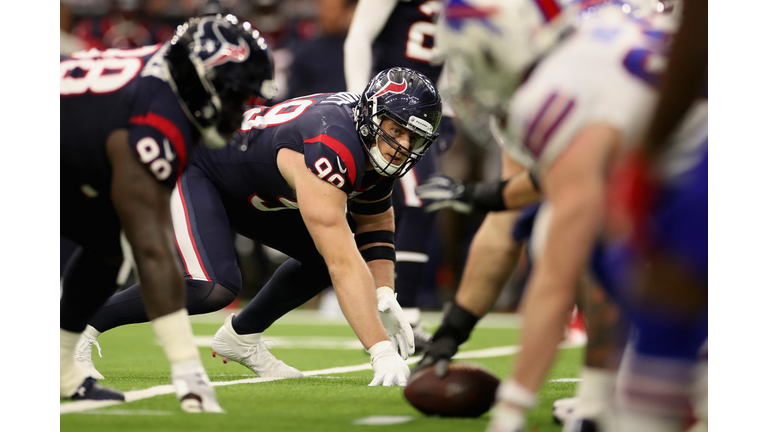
[537, 119]
[556, 110]
[340, 149]
[167, 128]
[555, 125]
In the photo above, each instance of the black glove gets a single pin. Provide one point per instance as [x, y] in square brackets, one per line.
[455, 330]
[462, 197]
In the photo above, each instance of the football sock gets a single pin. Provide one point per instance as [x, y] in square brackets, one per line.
[595, 392]
[175, 334]
[292, 285]
[127, 306]
[653, 393]
[91, 333]
[70, 374]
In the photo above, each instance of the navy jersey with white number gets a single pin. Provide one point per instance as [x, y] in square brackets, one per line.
[103, 91]
[320, 126]
[408, 38]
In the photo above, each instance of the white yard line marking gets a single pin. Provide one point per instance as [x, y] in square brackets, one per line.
[301, 342]
[134, 395]
[131, 412]
[382, 420]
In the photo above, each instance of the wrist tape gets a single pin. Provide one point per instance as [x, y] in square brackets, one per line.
[457, 324]
[487, 197]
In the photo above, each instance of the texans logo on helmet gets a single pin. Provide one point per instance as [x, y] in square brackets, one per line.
[226, 51]
[391, 87]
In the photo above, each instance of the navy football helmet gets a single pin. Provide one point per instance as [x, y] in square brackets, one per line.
[215, 64]
[409, 99]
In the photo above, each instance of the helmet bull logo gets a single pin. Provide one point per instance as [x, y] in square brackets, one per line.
[226, 51]
[391, 87]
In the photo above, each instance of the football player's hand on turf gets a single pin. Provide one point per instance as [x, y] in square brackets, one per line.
[193, 388]
[445, 192]
[388, 367]
[439, 352]
[392, 316]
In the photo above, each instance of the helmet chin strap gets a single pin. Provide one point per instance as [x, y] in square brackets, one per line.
[380, 161]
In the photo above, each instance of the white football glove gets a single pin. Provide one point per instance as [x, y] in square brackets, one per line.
[193, 388]
[398, 328]
[388, 368]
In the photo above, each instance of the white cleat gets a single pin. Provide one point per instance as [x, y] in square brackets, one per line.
[193, 388]
[83, 356]
[250, 351]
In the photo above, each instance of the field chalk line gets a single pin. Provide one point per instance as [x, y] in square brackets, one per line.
[135, 395]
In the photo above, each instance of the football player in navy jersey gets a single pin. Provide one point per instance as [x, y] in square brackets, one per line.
[307, 164]
[383, 34]
[129, 121]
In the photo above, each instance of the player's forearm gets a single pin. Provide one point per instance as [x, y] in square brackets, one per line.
[144, 210]
[162, 283]
[352, 280]
[355, 292]
[375, 238]
[492, 257]
[368, 21]
[520, 191]
[357, 69]
[150, 233]
[383, 272]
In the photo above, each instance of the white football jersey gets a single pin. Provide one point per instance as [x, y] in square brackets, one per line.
[603, 74]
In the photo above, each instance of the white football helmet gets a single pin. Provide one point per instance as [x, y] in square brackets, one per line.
[488, 46]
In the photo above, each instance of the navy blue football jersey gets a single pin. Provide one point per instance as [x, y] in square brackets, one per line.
[319, 126]
[408, 38]
[102, 91]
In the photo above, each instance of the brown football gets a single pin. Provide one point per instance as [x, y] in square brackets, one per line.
[467, 390]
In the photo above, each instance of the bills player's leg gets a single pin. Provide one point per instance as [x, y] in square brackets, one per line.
[666, 371]
[414, 234]
[88, 280]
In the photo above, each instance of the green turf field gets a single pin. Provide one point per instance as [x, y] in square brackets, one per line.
[322, 402]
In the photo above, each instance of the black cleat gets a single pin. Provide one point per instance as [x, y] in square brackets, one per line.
[91, 390]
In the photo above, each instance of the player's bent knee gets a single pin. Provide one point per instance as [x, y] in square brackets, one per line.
[206, 296]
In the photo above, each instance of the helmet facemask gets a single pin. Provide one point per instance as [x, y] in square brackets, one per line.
[419, 142]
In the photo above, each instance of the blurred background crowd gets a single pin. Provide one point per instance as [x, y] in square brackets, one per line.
[307, 39]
